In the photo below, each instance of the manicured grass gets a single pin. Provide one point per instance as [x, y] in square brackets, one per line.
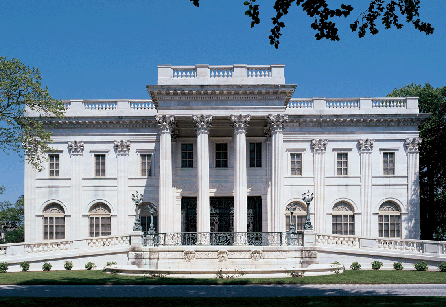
[230, 302]
[101, 278]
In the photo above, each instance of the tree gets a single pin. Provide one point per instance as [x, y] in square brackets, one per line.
[20, 88]
[388, 11]
[12, 220]
[432, 162]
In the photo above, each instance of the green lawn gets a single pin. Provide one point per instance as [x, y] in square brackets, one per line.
[101, 278]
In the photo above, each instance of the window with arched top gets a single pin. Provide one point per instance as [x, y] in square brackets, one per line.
[53, 222]
[100, 220]
[145, 217]
[389, 220]
[343, 219]
[299, 215]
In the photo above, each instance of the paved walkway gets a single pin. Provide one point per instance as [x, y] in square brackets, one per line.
[223, 290]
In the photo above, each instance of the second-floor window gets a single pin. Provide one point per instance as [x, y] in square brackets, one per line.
[221, 155]
[255, 154]
[342, 164]
[296, 164]
[187, 155]
[99, 165]
[54, 165]
[146, 165]
[388, 163]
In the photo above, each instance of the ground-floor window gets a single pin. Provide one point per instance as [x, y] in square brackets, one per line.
[53, 222]
[100, 220]
[145, 216]
[389, 220]
[299, 215]
[343, 220]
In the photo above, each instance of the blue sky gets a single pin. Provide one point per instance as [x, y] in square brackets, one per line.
[89, 49]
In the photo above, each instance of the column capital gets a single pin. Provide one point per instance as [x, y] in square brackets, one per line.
[166, 123]
[319, 145]
[203, 123]
[76, 148]
[122, 147]
[240, 122]
[276, 123]
[365, 146]
[412, 145]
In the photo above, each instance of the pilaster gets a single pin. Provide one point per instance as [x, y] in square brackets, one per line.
[30, 201]
[276, 125]
[76, 150]
[365, 151]
[319, 148]
[240, 124]
[166, 124]
[203, 125]
[413, 187]
[122, 149]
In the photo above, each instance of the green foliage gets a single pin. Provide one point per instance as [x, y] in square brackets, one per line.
[355, 266]
[90, 265]
[432, 163]
[3, 267]
[111, 263]
[421, 266]
[68, 265]
[21, 88]
[389, 11]
[46, 267]
[376, 265]
[11, 220]
[442, 267]
[24, 265]
[398, 266]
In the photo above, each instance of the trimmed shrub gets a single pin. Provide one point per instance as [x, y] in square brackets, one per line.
[3, 267]
[46, 267]
[398, 266]
[421, 266]
[90, 265]
[24, 265]
[111, 263]
[376, 265]
[68, 265]
[442, 267]
[355, 266]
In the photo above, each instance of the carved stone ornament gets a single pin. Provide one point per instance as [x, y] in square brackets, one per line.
[296, 206]
[365, 145]
[166, 123]
[389, 206]
[100, 208]
[255, 255]
[276, 123]
[122, 147]
[189, 255]
[342, 206]
[319, 145]
[240, 122]
[76, 147]
[412, 144]
[54, 209]
[222, 256]
[202, 123]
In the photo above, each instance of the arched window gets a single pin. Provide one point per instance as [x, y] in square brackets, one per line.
[389, 220]
[144, 216]
[53, 222]
[299, 215]
[343, 220]
[100, 220]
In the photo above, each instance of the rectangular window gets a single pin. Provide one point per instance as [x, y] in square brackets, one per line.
[54, 165]
[187, 155]
[100, 226]
[343, 224]
[341, 164]
[221, 155]
[54, 227]
[299, 221]
[146, 165]
[99, 165]
[296, 164]
[255, 154]
[388, 163]
[389, 226]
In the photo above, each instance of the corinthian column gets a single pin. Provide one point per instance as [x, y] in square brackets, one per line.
[76, 150]
[122, 149]
[203, 124]
[275, 131]
[365, 150]
[166, 123]
[240, 125]
[413, 187]
[319, 147]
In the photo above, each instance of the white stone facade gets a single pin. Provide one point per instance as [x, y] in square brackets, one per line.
[355, 154]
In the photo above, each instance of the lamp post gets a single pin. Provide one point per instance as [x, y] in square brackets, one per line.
[292, 207]
[307, 198]
[137, 199]
[152, 210]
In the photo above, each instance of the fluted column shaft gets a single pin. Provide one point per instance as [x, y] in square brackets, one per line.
[319, 149]
[203, 125]
[365, 151]
[413, 188]
[122, 149]
[76, 149]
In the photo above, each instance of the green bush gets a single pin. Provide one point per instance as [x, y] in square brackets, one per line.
[46, 266]
[90, 265]
[442, 267]
[24, 265]
[355, 266]
[68, 265]
[398, 266]
[376, 265]
[421, 266]
[3, 267]
[111, 263]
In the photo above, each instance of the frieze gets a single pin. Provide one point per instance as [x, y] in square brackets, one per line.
[365, 146]
[101, 123]
[122, 147]
[255, 255]
[202, 123]
[188, 256]
[222, 256]
[353, 120]
[319, 145]
[412, 144]
[76, 147]
[240, 122]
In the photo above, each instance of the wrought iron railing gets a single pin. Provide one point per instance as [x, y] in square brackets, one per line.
[224, 238]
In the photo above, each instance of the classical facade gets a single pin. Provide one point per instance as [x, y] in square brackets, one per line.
[226, 149]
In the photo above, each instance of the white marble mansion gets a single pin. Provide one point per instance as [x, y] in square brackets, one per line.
[227, 149]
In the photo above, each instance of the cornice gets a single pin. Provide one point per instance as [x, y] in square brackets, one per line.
[147, 122]
[355, 120]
